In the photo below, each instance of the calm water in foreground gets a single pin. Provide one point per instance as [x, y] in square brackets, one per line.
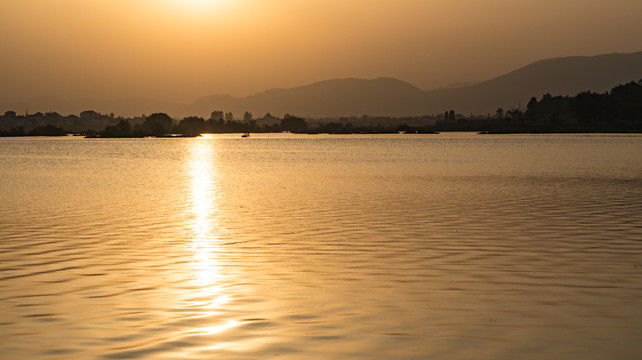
[452, 246]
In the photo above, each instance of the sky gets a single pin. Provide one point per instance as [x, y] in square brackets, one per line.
[181, 50]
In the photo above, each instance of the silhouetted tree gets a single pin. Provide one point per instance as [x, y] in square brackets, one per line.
[191, 125]
[157, 124]
[517, 115]
[293, 123]
[627, 101]
[592, 107]
[122, 129]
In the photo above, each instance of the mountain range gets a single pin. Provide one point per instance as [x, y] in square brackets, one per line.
[388, 96]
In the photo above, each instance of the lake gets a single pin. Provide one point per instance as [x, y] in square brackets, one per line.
[451, 246]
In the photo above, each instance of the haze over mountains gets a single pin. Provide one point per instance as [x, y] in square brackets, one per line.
[385, 96]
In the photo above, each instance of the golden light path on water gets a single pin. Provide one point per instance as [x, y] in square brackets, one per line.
[207, 274]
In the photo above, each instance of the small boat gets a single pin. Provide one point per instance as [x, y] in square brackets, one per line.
[246, 135]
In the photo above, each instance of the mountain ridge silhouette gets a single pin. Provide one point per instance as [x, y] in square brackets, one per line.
[386, 96]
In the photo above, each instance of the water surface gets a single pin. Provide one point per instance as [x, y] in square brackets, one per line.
[452, 246]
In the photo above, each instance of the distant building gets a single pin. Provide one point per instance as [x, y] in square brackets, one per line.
[93, 120]
[9, 120]
[52, 115]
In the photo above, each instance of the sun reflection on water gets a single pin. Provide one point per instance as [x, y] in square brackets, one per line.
[204, 225]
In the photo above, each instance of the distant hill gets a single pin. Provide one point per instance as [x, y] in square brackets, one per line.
[560, 76]
[392, 97]
[388, 96]
[382, 96]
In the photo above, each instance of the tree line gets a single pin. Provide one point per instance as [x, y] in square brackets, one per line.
[617, 110]
[161, 124]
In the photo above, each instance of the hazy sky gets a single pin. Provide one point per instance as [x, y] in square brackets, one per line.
[185, 49]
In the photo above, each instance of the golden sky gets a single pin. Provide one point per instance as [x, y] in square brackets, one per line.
[184, 49]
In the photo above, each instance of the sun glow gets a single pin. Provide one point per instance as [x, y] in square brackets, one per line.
[200, 3]
[198, 6]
